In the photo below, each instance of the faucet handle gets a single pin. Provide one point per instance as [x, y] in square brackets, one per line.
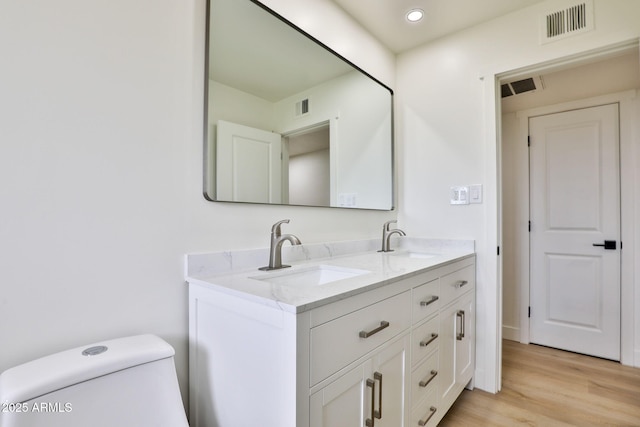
[276, 227]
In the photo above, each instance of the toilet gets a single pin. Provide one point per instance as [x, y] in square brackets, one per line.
[128, 382]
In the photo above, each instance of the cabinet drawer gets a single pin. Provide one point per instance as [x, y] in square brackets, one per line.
[457, 283]
[426, 300]
[426, 412]
[424, 379]
[341, 341]
[425, 339]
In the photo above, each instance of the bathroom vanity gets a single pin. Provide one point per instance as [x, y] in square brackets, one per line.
[363, 339]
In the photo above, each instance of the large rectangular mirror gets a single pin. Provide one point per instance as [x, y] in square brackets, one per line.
[289, 121]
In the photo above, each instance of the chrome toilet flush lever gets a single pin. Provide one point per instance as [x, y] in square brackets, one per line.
[386, 235]
[275, 251]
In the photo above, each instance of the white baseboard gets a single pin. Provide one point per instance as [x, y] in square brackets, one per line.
[510, 333]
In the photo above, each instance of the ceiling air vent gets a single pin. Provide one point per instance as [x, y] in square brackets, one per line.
[569, 21]
[302, 107]
[506, 90]
[518, 87]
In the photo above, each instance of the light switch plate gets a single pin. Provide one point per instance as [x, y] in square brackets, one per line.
[459, 195]
[347, 200]
[475, 193]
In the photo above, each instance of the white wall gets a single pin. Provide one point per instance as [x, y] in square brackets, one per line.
[447, 129]
[309, 179]
[101, 169]
[240, 107]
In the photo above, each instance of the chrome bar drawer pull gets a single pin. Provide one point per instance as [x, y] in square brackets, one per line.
[366, 334]
[371, 421]
[461, 283]
[430, 301]
[424, 422]
[426, 382]
[460, 335]
[429, 341]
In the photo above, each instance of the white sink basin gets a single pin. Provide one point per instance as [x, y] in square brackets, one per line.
[310, 276]
[410, 254]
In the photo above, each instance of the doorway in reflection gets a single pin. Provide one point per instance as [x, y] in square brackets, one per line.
[307, 153]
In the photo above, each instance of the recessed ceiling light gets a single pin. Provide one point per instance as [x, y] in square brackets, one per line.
[414, 15]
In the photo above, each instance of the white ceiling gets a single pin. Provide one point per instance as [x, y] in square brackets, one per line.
[385, 19]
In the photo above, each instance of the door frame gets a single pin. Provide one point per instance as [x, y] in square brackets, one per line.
[489, 358]
[624, 99]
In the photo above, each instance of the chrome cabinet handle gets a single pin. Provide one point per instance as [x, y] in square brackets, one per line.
[430, 301]
[370, 422]
[377, 376]
[365, 334]
[460, 335]
[429, 341]
[426, 382]
[424, 422]
[460, 283]
[378, 413]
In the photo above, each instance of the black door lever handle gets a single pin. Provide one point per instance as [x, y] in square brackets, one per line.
[608, 244]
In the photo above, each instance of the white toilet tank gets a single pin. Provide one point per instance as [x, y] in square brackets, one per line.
[127, 382]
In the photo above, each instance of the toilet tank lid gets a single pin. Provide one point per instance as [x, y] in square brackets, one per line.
[64, 369]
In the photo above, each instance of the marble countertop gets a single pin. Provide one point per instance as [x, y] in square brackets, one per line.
[374, 269]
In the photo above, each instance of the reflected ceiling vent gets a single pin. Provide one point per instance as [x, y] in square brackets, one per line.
[572, 20]
[531, 84]
[302, 107]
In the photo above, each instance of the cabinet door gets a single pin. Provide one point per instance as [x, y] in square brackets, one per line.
[345, 402]
[447, 352]
[457, 348]
[391, 364]
[465, 347]
[373, 394]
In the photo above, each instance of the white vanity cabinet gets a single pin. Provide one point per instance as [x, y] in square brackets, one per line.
[394, 355]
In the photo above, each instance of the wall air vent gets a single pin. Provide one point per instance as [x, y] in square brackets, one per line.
[302, 107]
[568, 21]
[531, 84]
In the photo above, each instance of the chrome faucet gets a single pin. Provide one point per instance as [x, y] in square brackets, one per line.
[386, 235]
[275, 252]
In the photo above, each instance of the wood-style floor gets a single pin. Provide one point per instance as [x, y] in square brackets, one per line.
[547, 387]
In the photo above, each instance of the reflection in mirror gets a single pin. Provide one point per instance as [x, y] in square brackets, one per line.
[288, 120]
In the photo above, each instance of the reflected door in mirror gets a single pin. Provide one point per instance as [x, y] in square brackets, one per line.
[248, 163]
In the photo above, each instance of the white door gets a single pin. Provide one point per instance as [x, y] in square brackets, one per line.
[575, 205]
[248, 164]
